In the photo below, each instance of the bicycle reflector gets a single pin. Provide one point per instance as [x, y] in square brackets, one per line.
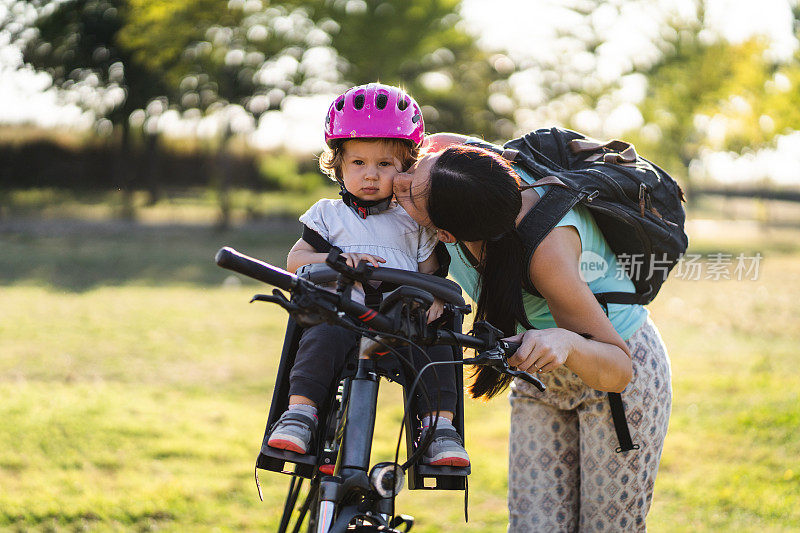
[387, 479]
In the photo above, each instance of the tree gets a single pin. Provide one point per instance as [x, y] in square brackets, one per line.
[77, 42]
[417, 44]
[215, 53]
[711, 95]
[231, 62]
[693, 81]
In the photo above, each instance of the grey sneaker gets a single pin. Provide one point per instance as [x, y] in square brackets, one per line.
[446, 449]
[293, 432]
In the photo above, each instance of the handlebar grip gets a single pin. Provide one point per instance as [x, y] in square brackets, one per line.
[238, 262]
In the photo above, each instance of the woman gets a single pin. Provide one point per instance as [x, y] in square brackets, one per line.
[564, 474]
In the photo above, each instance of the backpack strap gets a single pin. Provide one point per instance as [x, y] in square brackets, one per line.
[620, 423]
[317, 241]
[628, 298]
[535, 226]
[534, 232]
[547, 180]
[540, 220]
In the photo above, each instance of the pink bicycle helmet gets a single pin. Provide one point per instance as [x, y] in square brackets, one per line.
[374, 110]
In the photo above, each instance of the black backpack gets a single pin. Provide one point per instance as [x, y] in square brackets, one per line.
[637, 206]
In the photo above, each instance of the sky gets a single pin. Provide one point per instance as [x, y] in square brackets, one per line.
[522, 27]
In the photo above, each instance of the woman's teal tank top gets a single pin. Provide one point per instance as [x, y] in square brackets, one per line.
[598, 267]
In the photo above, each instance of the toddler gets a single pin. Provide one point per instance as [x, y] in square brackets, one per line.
[373, 131]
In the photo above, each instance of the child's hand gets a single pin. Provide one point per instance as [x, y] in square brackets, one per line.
[354, 258]
[436, 309]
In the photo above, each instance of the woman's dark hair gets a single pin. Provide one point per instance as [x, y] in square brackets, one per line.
[474, 194]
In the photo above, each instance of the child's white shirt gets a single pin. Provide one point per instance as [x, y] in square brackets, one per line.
[391, 234]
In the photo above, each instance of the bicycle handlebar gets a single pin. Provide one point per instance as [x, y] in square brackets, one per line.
[494, 349]
[243, 264]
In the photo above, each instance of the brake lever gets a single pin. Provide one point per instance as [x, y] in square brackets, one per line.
[360, 273]
[497, 358]
[526, 377]
[454, 308]
[299, 312]
[277, 298]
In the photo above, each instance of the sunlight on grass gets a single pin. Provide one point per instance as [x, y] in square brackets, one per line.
[136, 380]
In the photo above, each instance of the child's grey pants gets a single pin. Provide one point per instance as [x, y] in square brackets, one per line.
[564, 473]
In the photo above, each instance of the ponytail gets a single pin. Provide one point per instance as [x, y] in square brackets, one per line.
[475, 195]
[499, 302]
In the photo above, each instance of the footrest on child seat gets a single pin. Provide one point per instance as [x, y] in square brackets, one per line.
[422, 477]
[275, 460]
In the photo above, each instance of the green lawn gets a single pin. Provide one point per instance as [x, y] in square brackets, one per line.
[136, 379]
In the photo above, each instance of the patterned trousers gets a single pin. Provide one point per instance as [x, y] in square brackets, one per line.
[564, 474]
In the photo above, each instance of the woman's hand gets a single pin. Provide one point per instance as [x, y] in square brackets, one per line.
[543, 350]
[354, 258]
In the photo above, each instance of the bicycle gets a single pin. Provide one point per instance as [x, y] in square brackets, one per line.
[346, 494]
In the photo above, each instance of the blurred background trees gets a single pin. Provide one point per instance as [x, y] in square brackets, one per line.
[214, 78]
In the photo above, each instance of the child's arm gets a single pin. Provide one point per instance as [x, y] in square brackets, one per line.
[301, 254]
[429, 266]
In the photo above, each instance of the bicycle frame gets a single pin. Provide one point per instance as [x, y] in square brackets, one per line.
[350, 481]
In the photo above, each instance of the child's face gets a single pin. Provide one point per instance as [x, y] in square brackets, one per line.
[369, 168]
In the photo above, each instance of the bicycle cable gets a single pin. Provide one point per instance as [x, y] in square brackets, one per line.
[424, 442]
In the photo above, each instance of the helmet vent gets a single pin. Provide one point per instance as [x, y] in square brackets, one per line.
[416, 118]
[339, 104]
[358, 101]
[381, 100]
[402, 104]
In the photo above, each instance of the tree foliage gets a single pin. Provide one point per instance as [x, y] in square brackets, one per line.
[418, 44]
[700, 92]
[236, 52]
[121, 54]
[116, 56]
[78, 43]
[715, 95]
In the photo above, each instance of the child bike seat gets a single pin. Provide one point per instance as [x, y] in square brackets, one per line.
[447, 290]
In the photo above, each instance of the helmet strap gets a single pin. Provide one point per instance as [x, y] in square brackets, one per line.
[363, 208]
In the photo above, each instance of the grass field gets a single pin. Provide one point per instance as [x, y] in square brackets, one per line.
[135, 381]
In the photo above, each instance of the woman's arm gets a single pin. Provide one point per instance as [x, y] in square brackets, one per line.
[439, 141]
[602, 361]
